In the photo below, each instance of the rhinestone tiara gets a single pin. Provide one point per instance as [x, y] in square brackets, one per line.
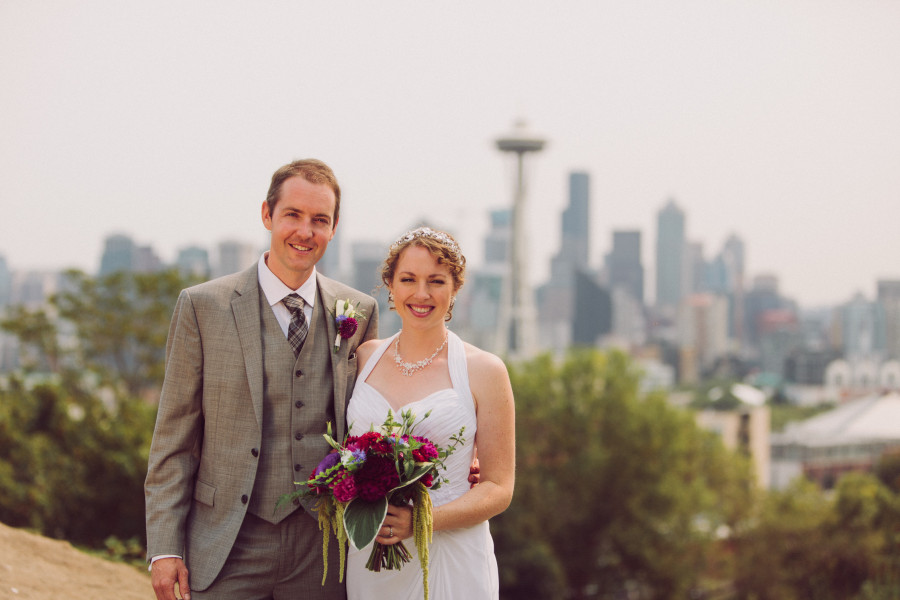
[428, 232]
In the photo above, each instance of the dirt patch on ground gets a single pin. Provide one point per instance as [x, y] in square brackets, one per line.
[38, 568]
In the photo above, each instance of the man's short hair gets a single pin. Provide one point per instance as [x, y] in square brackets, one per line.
[312, 170]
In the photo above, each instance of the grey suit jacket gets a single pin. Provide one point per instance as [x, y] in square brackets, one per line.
[210, 413]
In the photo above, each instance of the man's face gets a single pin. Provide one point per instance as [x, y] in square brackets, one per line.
[302, 224]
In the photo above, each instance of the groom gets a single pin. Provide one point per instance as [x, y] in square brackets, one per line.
[252, 378]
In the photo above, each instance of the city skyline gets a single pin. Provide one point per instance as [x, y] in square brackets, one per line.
[773, 121]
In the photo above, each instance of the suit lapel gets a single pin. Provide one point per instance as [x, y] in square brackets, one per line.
[245, 306]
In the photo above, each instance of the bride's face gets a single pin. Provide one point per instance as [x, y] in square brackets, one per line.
[422, 288]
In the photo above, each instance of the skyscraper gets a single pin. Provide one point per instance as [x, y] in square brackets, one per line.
[889, 300]
[623, 264]
[193, 260]
[120, 253]
[670, 246]
[556, 298]
[235, 256]
[575, 239]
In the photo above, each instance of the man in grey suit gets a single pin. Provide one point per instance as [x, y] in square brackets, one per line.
[253, 376]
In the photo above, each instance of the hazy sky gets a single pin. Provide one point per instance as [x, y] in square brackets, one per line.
[776, 120]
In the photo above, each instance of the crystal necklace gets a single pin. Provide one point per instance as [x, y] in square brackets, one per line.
[409, 369]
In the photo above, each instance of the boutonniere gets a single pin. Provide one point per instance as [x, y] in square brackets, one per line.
[345, 319]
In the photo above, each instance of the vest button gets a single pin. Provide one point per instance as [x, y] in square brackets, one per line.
[298, 404]
[298, 373]
[254, 452]
[298, 467]
[244, 499]
[298, 436]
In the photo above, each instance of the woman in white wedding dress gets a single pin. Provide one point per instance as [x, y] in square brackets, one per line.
[425, 367]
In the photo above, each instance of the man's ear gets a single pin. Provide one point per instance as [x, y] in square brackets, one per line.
[266, 217]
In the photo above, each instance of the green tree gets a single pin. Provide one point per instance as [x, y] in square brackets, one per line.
[623, 490]
[805, 543]
[74, 447]
[113, 326]
[70, 466]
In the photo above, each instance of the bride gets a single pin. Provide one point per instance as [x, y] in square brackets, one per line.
[425, 367]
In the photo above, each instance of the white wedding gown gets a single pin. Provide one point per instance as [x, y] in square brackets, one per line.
[462, 563]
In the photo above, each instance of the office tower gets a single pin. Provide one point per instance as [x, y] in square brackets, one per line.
[889, 300]
[497, 240]
[733, 257]
[762, 296]
[575, 239]
[592, 311]
[517, 317]
[5, 283]
[330, 263]
[366, 259]
[235, 256]
[695, 269]
[702, 327]
[477, 309]
[119, 253]
[670, 246]
[862, 329]
[623, 264]
[556, 298]
[193, 261]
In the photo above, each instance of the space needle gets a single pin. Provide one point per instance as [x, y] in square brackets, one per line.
[516, 333]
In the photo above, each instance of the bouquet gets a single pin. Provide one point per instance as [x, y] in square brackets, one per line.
[353, 485]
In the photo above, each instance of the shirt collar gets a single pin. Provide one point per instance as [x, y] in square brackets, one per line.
[275, 289]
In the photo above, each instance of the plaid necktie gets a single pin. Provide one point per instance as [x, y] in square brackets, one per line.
[298, 328]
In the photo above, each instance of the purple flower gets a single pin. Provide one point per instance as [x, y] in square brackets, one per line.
[329, 461]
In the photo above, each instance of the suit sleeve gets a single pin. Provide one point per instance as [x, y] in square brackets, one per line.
[371, 323]
[175, 449]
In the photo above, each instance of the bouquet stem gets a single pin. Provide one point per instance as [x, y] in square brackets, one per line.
[388, 557]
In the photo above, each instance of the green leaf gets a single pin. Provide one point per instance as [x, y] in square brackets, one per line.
[418, 473]
[362, 520]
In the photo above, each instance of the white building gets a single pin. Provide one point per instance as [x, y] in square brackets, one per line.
[852, 437]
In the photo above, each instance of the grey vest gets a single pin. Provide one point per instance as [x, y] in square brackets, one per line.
[298, 402]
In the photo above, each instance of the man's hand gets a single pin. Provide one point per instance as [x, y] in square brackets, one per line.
[474, 473]
[165, 573]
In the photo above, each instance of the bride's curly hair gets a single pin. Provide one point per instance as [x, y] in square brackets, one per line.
[440, 244]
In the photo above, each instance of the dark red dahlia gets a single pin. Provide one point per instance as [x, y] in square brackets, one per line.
[346, 326]
[376, 478]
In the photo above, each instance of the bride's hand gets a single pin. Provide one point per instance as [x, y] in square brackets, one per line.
[397, 525]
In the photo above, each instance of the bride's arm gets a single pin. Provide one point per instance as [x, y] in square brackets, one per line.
[495, 440]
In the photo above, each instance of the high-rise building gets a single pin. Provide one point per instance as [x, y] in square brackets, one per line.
[702, 327]
[330, 263]
[623, 264]
[5, 283]
[862, 329]
[556, 298]
[194, 261]
[670, 251]
[592, 311]
[889, 300]
[235, 256]
[478, 303]
[120, 253]
[575, 239]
